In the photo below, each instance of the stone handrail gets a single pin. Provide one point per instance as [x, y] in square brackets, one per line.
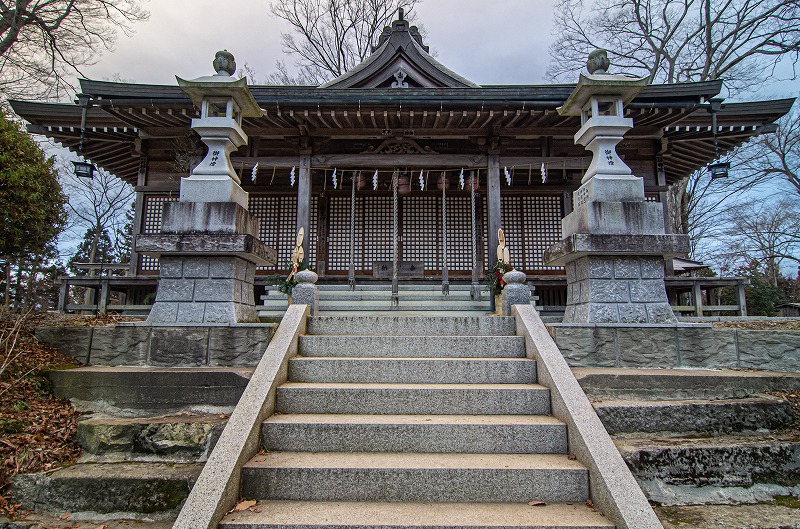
[613, 488]
[217, 488]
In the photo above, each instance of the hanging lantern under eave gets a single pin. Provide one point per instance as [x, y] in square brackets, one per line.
[719, 170]
[84, 169]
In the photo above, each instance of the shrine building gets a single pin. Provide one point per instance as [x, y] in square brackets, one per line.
[470, 159]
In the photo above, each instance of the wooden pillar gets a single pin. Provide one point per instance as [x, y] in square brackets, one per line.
[741, 299]
[304, 200]
[697, 299]
[102, 303]
[493, 205]
[138, 212]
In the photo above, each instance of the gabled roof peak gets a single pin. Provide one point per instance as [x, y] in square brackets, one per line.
[400, 60]
[400, 26]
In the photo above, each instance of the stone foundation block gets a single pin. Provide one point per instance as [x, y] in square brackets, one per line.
[178, 347]
[119, 346]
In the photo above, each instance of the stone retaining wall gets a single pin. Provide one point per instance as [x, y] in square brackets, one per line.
[184, 346]
[681, 345]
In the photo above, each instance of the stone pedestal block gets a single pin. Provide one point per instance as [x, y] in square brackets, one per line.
[617, 289]
[208, 253]
[516, 292]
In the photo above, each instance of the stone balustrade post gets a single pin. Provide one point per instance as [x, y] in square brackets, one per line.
[516, 292]
[305, 292]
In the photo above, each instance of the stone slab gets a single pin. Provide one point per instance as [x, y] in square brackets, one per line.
[229, 346]
[70, 341]
[120, 346]
[582, 244]
[770, 350]
[618, 218]
[588, 345]
[414, 326]
[415, 477]
[208, 217]
[681, 384]
[414, 371]
[498, 434]
[244, 246]
[135, 391]
[679, 417]
[392, 399]
[136, 488]
[186, 347]
[401, 515]
[413, 346]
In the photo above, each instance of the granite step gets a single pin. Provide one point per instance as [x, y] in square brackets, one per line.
[138, 490]
[413, 370]
[362, 515]
[725, 469]
[413, 346]
[402, 399]
[187, 437]
[485, 434]
[684, 417]
[414, 326]
[486, 478]
[681, 384]
[148, 391]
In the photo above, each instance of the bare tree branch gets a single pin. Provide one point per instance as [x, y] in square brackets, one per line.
[43, 43]
[329, 37]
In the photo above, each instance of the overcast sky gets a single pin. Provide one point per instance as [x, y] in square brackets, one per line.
[488, 42]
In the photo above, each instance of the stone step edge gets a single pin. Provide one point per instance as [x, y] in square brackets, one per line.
[400, 515]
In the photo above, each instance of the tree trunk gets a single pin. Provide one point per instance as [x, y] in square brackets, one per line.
[7, 293]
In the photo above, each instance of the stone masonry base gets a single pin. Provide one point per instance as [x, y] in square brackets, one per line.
[617, 289]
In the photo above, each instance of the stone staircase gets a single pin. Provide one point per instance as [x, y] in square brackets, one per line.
[414, 422]
[702, 437]
[375, 298]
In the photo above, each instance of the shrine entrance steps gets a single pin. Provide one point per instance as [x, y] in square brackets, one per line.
[376, 299]
[414, 422]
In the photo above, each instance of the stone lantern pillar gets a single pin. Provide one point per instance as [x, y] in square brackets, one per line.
[614, 242]
[208, 248]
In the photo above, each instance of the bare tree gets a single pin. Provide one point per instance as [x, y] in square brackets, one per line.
[98, 204]
[44, 42]
[330, 37]
[673, 41]
[775, 156]
[767, 231]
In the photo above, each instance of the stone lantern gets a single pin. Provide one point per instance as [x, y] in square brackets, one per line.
[208, 248]
[614, 242]
[223, 102]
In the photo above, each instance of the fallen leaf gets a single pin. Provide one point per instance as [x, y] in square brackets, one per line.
[255, 510]
[65, 515]
[260, 459]
[536, 503]
[101, 527]
[572, 457]
[589, 504]
[244, 505]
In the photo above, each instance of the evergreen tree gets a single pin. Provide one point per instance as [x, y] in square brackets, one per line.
[32, 211]
[123, 237]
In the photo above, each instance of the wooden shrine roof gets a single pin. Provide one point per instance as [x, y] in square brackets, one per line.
[123, 113]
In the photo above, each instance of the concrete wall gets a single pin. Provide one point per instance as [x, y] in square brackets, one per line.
[681, 345]
[185, 346]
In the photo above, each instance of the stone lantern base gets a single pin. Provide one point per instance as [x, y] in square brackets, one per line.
[208, 253]
[616, 278]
